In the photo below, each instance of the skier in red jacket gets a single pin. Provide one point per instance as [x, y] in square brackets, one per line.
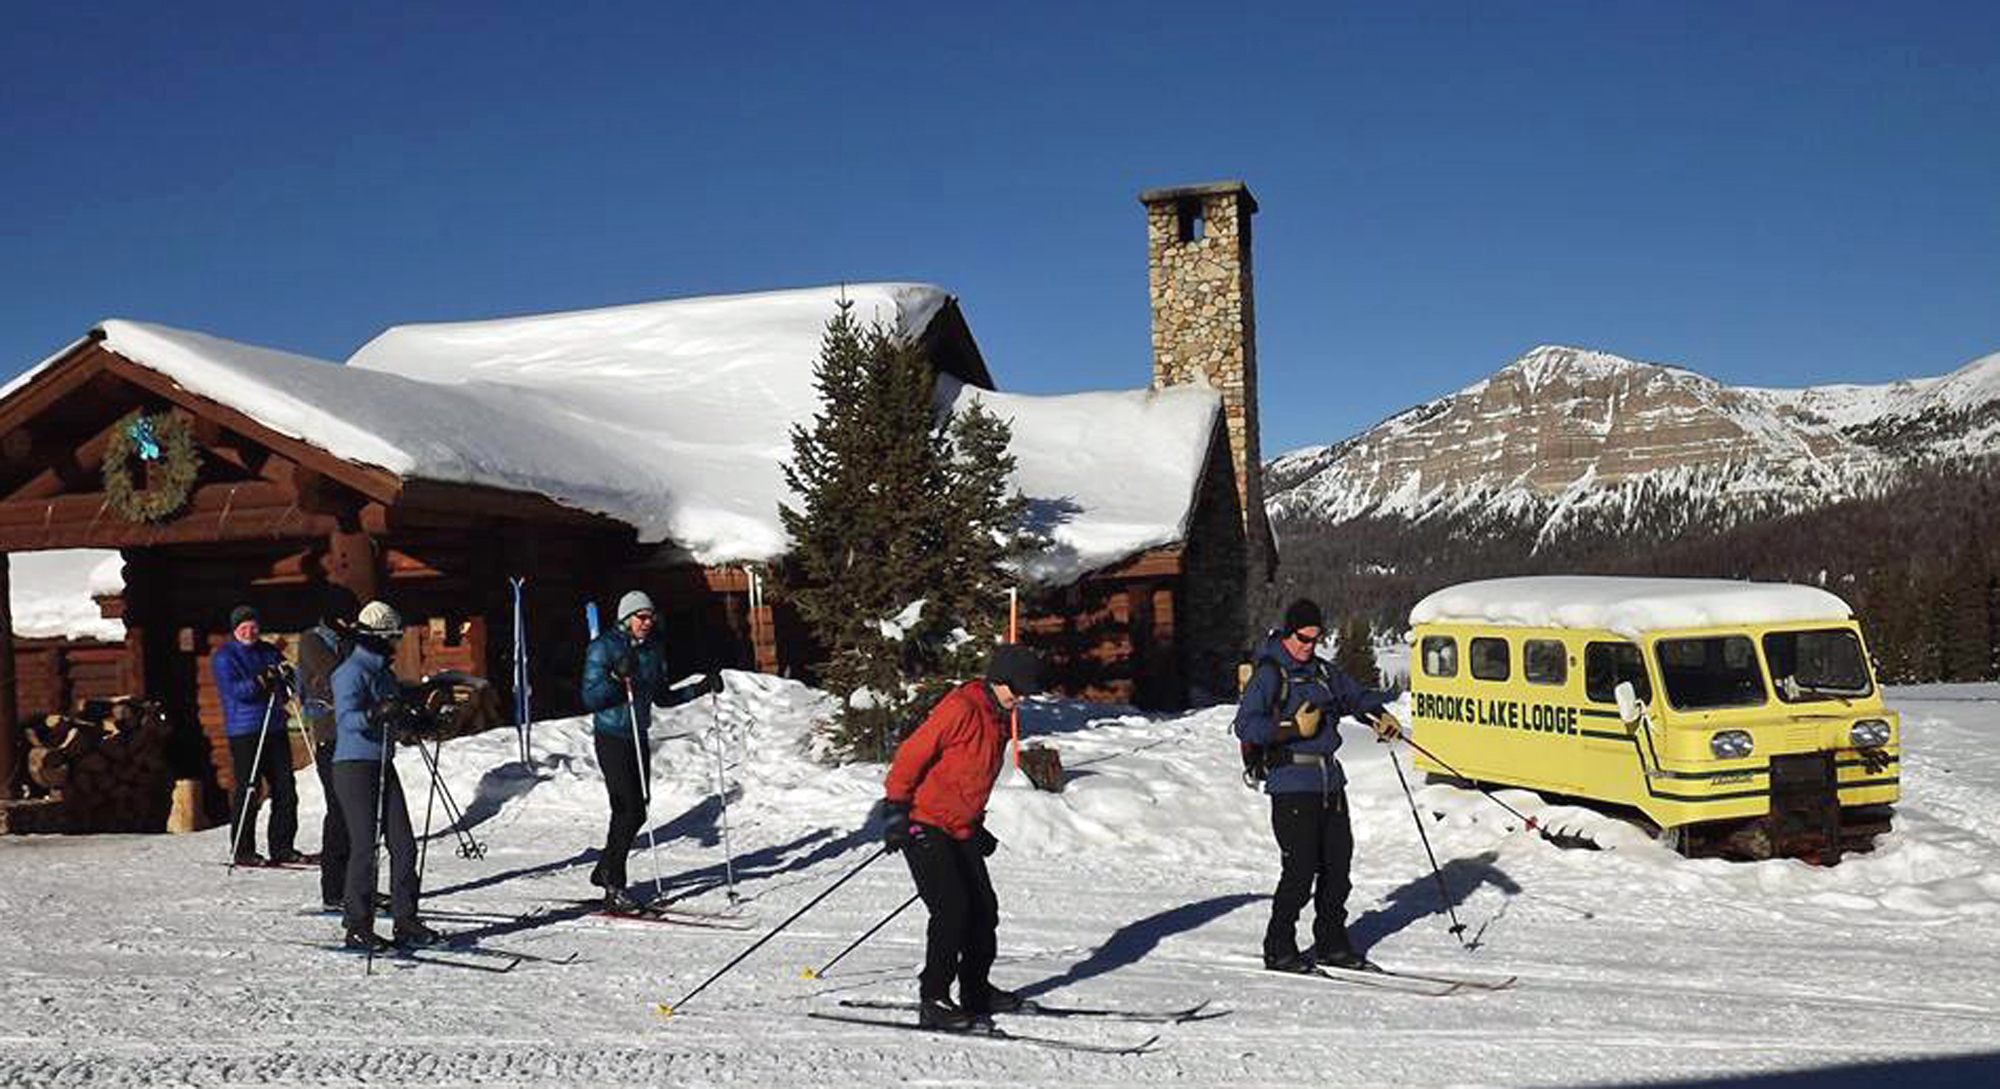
[935, 801]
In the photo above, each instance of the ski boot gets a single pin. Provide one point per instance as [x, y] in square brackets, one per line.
[944, 1015]
[1294, 963]
[1345, 959]
[366, 941]
[415, 935]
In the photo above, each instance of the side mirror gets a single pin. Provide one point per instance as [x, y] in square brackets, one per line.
[1629, 707]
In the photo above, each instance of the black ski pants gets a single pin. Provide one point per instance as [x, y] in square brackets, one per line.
[624, 780]
[332, 832]
[1315, 848]
[965, 916]
[275, 770]
[356, 783]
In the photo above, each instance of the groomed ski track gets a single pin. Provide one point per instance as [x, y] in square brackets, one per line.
[134, 961]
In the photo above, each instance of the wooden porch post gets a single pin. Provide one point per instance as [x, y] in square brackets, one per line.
[353, 561]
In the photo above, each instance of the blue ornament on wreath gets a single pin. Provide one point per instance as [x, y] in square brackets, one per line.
[168, 463]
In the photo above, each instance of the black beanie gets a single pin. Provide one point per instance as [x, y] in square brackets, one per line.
[241, 613]
[1016, 667]
[1303, 614]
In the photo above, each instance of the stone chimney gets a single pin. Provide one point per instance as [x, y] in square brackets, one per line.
[1205, 324]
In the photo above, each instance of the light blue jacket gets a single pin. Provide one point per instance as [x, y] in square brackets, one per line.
[362, 682]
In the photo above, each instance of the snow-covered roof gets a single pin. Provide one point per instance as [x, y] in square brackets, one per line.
[695, 397]
[1106, 474]
[1632, 607]
[675, 417]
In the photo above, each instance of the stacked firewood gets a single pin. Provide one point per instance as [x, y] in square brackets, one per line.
[107, 761]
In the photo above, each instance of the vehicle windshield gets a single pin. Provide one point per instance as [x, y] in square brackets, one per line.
[1714, 671]
[1817, 665]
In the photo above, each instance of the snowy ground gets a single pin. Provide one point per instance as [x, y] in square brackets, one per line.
[141, 961]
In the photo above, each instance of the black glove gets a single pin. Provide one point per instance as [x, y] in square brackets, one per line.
[985, 841]
[624, 667]
[711, 684]
[896, 833]
[388, 714]
[274, 679]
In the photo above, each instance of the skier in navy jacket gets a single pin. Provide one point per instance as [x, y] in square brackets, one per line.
[1292, 706]
[251, 683]
[624, 678]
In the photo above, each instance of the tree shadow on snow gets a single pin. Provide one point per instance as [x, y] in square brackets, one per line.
[1417, 899]
[1130, 943]
[1954, 1071]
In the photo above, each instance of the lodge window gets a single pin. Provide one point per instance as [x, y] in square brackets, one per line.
[1193, 227]
[1544, 661]
[1440, 654]
[1606, 664]
[1489, 659]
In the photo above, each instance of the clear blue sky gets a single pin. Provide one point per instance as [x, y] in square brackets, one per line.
[1771, 193]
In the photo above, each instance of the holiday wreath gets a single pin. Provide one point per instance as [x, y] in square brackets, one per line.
[165, 446]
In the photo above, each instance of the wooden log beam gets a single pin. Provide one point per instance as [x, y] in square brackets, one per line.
[198, 527]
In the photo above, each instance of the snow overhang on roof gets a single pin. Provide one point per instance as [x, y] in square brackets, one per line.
[1107, 474]
[675, 417]
[1632, 607]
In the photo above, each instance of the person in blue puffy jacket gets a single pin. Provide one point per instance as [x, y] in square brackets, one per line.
[370, 712]
[1291, 708]
[252, 684]
[624, 677]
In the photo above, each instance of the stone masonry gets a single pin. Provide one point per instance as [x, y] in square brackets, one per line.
[1205, 324]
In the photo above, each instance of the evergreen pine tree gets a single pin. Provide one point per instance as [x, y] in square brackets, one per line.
[900, 538]
[1354, 652]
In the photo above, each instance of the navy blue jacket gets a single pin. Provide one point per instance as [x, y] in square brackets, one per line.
[245, 701]
[1311, 681]
[604, 695]
[363, 681]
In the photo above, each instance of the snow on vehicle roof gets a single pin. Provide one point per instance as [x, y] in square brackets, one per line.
[675, 417]
[1631, 607]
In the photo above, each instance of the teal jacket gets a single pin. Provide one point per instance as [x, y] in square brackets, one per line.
[604, 695]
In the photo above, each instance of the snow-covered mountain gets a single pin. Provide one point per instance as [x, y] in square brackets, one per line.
[1566, 436]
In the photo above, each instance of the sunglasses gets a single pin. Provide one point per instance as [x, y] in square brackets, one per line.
[1308, 639]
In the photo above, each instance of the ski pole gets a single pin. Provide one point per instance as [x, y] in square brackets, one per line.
[722, 795]
[375, 849]
[1444, 893]
[816, 973]
[424, 844]
[665, 1010]
[468, 844]
[1528, 822]
[645, 784]
[250, 787]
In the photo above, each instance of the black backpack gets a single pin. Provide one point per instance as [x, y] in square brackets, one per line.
[1257, 758]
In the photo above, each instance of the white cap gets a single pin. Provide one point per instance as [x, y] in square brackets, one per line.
[634, 601]
[380, 619]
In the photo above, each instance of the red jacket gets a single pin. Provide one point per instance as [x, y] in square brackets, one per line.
[945, 770]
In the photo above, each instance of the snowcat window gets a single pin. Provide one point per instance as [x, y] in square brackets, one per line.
[1717, 671]
[1489, 659]
[1544, 661]
[1817, 665]
[1440, 656]
[1606, 664]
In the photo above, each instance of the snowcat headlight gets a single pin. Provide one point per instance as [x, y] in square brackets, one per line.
[1731, 744]
[1869, 733]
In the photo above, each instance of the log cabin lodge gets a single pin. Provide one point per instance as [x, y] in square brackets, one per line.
[591, 452]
